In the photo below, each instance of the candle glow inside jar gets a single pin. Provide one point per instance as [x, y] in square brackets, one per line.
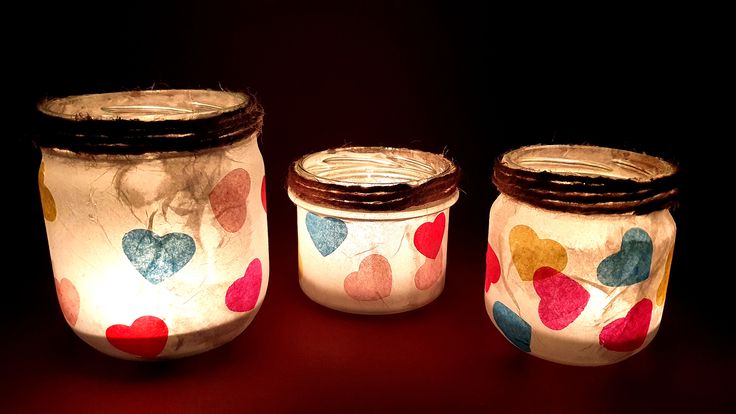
[579, 250]
[154, 205]
[372, 226]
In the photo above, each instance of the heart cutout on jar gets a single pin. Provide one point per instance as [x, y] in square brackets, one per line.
[229, 200]
[372, 281]
[242, 295]
[628, 333]
[327, 233]
[145, 337]
[428, 237]
[68, 300]
[156, 257]
[562, 299]
[493, 267]
[429, 273]
[529, 252]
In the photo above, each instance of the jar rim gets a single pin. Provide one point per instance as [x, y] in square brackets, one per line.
[587, 179]
[136, 122]
[373, 178]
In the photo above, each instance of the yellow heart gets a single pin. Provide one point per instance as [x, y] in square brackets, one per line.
[662, 289]
[529, 253]
[47, 200]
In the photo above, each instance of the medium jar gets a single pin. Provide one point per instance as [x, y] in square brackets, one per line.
[372, 226]
[154, 203]
[579, 249]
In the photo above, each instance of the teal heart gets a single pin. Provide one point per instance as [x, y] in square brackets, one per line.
[157, 257]
[631, 264]
[327, 233]
[514, 328]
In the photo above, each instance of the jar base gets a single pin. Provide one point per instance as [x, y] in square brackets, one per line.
[176, 346]
[376, 307]
[573, 351]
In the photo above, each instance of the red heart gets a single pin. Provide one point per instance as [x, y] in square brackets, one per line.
[242, 295]
[562, 298]
[428, 237]
[493, 267]
[628, 333]
[228, 199]
[372, 281]
[145, 337]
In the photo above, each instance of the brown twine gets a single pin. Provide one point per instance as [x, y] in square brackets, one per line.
[375, 197]
[586, 194]
[83, 134]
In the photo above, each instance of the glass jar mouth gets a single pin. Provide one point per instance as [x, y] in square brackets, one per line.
[137, 122]
[373, 178]
[587, 179]
[373, 166]
[589, 161]
[148, 105]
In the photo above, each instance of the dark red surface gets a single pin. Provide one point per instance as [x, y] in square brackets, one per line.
[466, 78]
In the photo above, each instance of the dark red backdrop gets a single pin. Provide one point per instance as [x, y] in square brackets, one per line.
[471, 79]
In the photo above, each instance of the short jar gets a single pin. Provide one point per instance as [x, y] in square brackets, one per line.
[154, 204]
[372, 226]
[580, 244]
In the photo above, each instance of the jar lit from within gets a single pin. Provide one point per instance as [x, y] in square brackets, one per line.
[579, 250]
[154, 204]
[372, 225]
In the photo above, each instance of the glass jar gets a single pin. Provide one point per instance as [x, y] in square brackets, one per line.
[580, 243]
[372, 226]
[154, 204]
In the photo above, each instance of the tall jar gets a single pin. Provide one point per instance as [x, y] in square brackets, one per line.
[372, 226]
[155, 211]
[579, 250]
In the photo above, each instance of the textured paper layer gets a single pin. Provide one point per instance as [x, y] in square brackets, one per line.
[158, 258]
[579, 286]
[372, 266]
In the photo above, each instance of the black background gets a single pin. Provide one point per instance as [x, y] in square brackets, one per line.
[468, 78]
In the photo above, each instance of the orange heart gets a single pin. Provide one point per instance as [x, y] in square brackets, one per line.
[429, 273]
[529, 252]
[662, 289]
[372, 281]
[229, 200]
[47, 199]
[68, 300]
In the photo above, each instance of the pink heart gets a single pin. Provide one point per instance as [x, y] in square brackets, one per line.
[493, 267]
[628, 333]
[242, 295]
[562, 298]
[263, 193]
[429, 273]
[68, 300]
[428, 237]
[145, 337]
[228, 199]
[372, 281]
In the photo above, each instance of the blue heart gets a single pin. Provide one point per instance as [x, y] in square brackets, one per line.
[157, 257]
[516, 330]
[631, 264]
[327, 233]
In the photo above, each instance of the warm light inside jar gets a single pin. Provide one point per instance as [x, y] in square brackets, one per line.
[579, 251]
[158, 239]
[372, 225]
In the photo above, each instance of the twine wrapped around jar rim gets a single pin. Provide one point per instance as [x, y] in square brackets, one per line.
[587, 179]
[373, 178]
[138, 122]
